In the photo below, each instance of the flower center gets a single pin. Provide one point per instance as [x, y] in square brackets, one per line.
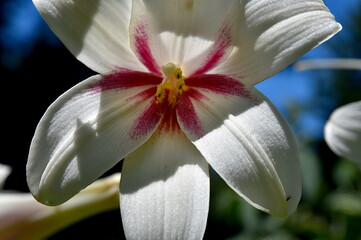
[172, 86]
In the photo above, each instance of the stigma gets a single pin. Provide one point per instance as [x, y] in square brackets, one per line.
[172, 86]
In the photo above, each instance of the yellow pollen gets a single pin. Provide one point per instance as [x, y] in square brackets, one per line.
[173, 84]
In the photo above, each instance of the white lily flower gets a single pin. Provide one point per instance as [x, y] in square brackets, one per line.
[22, 217]
[175, 93]
[343, 131]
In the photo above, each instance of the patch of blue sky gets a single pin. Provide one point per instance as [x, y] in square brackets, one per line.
[21, 30]
[343, 9]
[21, 26]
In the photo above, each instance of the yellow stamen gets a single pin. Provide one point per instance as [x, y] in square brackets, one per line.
[173, 84]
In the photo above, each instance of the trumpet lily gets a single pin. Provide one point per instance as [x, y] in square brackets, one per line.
[174, 94]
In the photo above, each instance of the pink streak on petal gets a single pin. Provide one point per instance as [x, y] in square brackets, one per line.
[147, 121]
[195, 94]
[124, 79]
[186, 113]
[143, 50]
[169, 122]
[221, 84]
[144, 95]
[220, 47]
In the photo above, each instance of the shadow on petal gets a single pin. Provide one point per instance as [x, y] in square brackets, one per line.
[158, 160]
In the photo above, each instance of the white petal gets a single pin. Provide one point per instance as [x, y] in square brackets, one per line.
[343, 131]
[4, 173]
[250, 145]
[96, 32]
[85, 132]
[275, 33]
[165, 190]
[194, 34]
